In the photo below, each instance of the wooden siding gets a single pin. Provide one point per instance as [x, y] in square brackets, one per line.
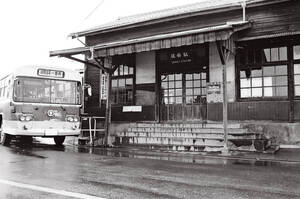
[255, 110]
[269, 19]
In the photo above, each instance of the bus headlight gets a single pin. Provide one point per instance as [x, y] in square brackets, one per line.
[22, 118]
[26, 118]
[72, 118]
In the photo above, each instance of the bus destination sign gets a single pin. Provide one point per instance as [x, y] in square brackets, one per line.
[51, 73]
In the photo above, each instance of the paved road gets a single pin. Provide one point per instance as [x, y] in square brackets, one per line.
[45, 171]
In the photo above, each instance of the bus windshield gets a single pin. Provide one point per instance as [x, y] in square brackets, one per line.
[37, 90]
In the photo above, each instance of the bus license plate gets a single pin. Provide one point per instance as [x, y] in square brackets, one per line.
[50, 132]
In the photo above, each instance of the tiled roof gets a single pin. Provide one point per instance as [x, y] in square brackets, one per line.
[200, 7]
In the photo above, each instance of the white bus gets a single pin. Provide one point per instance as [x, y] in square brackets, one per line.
[38, 101]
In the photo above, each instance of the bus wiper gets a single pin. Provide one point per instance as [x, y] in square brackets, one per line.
[62, 108]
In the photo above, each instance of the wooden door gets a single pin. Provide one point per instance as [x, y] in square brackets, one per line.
[183, 96]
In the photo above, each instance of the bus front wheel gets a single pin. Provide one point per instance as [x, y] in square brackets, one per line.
[59, 140]
[5, 139]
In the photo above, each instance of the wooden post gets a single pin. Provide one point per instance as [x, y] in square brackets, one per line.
[225, 106]
[108, 63]
[224, 54]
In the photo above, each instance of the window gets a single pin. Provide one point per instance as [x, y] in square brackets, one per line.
[46, 91]
[189, 88]
[296, 50]
[263, 72]
[123, 81]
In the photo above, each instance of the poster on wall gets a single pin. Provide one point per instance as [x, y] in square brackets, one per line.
[214, 92]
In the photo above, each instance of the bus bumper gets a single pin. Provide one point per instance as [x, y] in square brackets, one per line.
[42, 128]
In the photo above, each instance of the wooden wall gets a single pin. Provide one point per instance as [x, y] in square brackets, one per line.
[255, 110]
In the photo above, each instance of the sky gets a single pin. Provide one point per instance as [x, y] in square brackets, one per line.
[32, 28]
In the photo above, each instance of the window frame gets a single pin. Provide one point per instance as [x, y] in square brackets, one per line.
[129, 61]
[261, 64]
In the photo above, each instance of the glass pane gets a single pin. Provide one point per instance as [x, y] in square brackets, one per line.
[178, 76]
[256, 73]
[189, 99]
[196, 75]
[166, 101]
[281, 81]
[171, 100]
[189, 76]
[245, 83]
[178, 92]
[267, 56]
[189, 91]
[178, 84]
[257, 92]
[166, 93]
[189, 84]
[197, 91]
[203, 75]
[171, 93]
[297, 90]
[297, 79]
[171, 84]
[256, 82]
[116, 73]
[164, 78]
[268, 81]
[283, 53]
[125, 71]
[243, 74]
[121, 70]
[131, 70]
[203, 90]
[164, 85]
[245, 93]
[296, 52]
[197, 83]
[281, 91]
[178, 100]
[268, 92]
[172, 77]
[281, 70]
[114, 83]
[203, 83]
[129, 82]
[296, 68]
[269, 71]
[121, 82]
[274, 54]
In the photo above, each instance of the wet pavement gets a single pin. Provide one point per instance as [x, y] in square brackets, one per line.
[46, 171]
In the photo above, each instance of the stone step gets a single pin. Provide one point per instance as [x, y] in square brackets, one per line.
[186, 130]
[183, 125]
[175, 142]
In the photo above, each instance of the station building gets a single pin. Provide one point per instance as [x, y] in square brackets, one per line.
[164, 75]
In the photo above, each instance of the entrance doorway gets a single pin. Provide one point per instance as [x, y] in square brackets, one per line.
[183, 96]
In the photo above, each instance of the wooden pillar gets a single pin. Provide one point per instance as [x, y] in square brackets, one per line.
[291, 88]
[108, 64]
[224, 55]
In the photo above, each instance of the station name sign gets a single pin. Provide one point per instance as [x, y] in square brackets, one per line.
[180, 57]
[50, 73]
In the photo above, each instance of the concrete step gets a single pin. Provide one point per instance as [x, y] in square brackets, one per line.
[183, 125]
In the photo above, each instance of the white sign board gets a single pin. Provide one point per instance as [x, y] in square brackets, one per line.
[103, 89]
[132, 108]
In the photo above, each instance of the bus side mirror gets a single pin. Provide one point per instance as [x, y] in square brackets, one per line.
[89, 91]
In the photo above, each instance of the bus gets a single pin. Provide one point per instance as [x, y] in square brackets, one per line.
[39, 101]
